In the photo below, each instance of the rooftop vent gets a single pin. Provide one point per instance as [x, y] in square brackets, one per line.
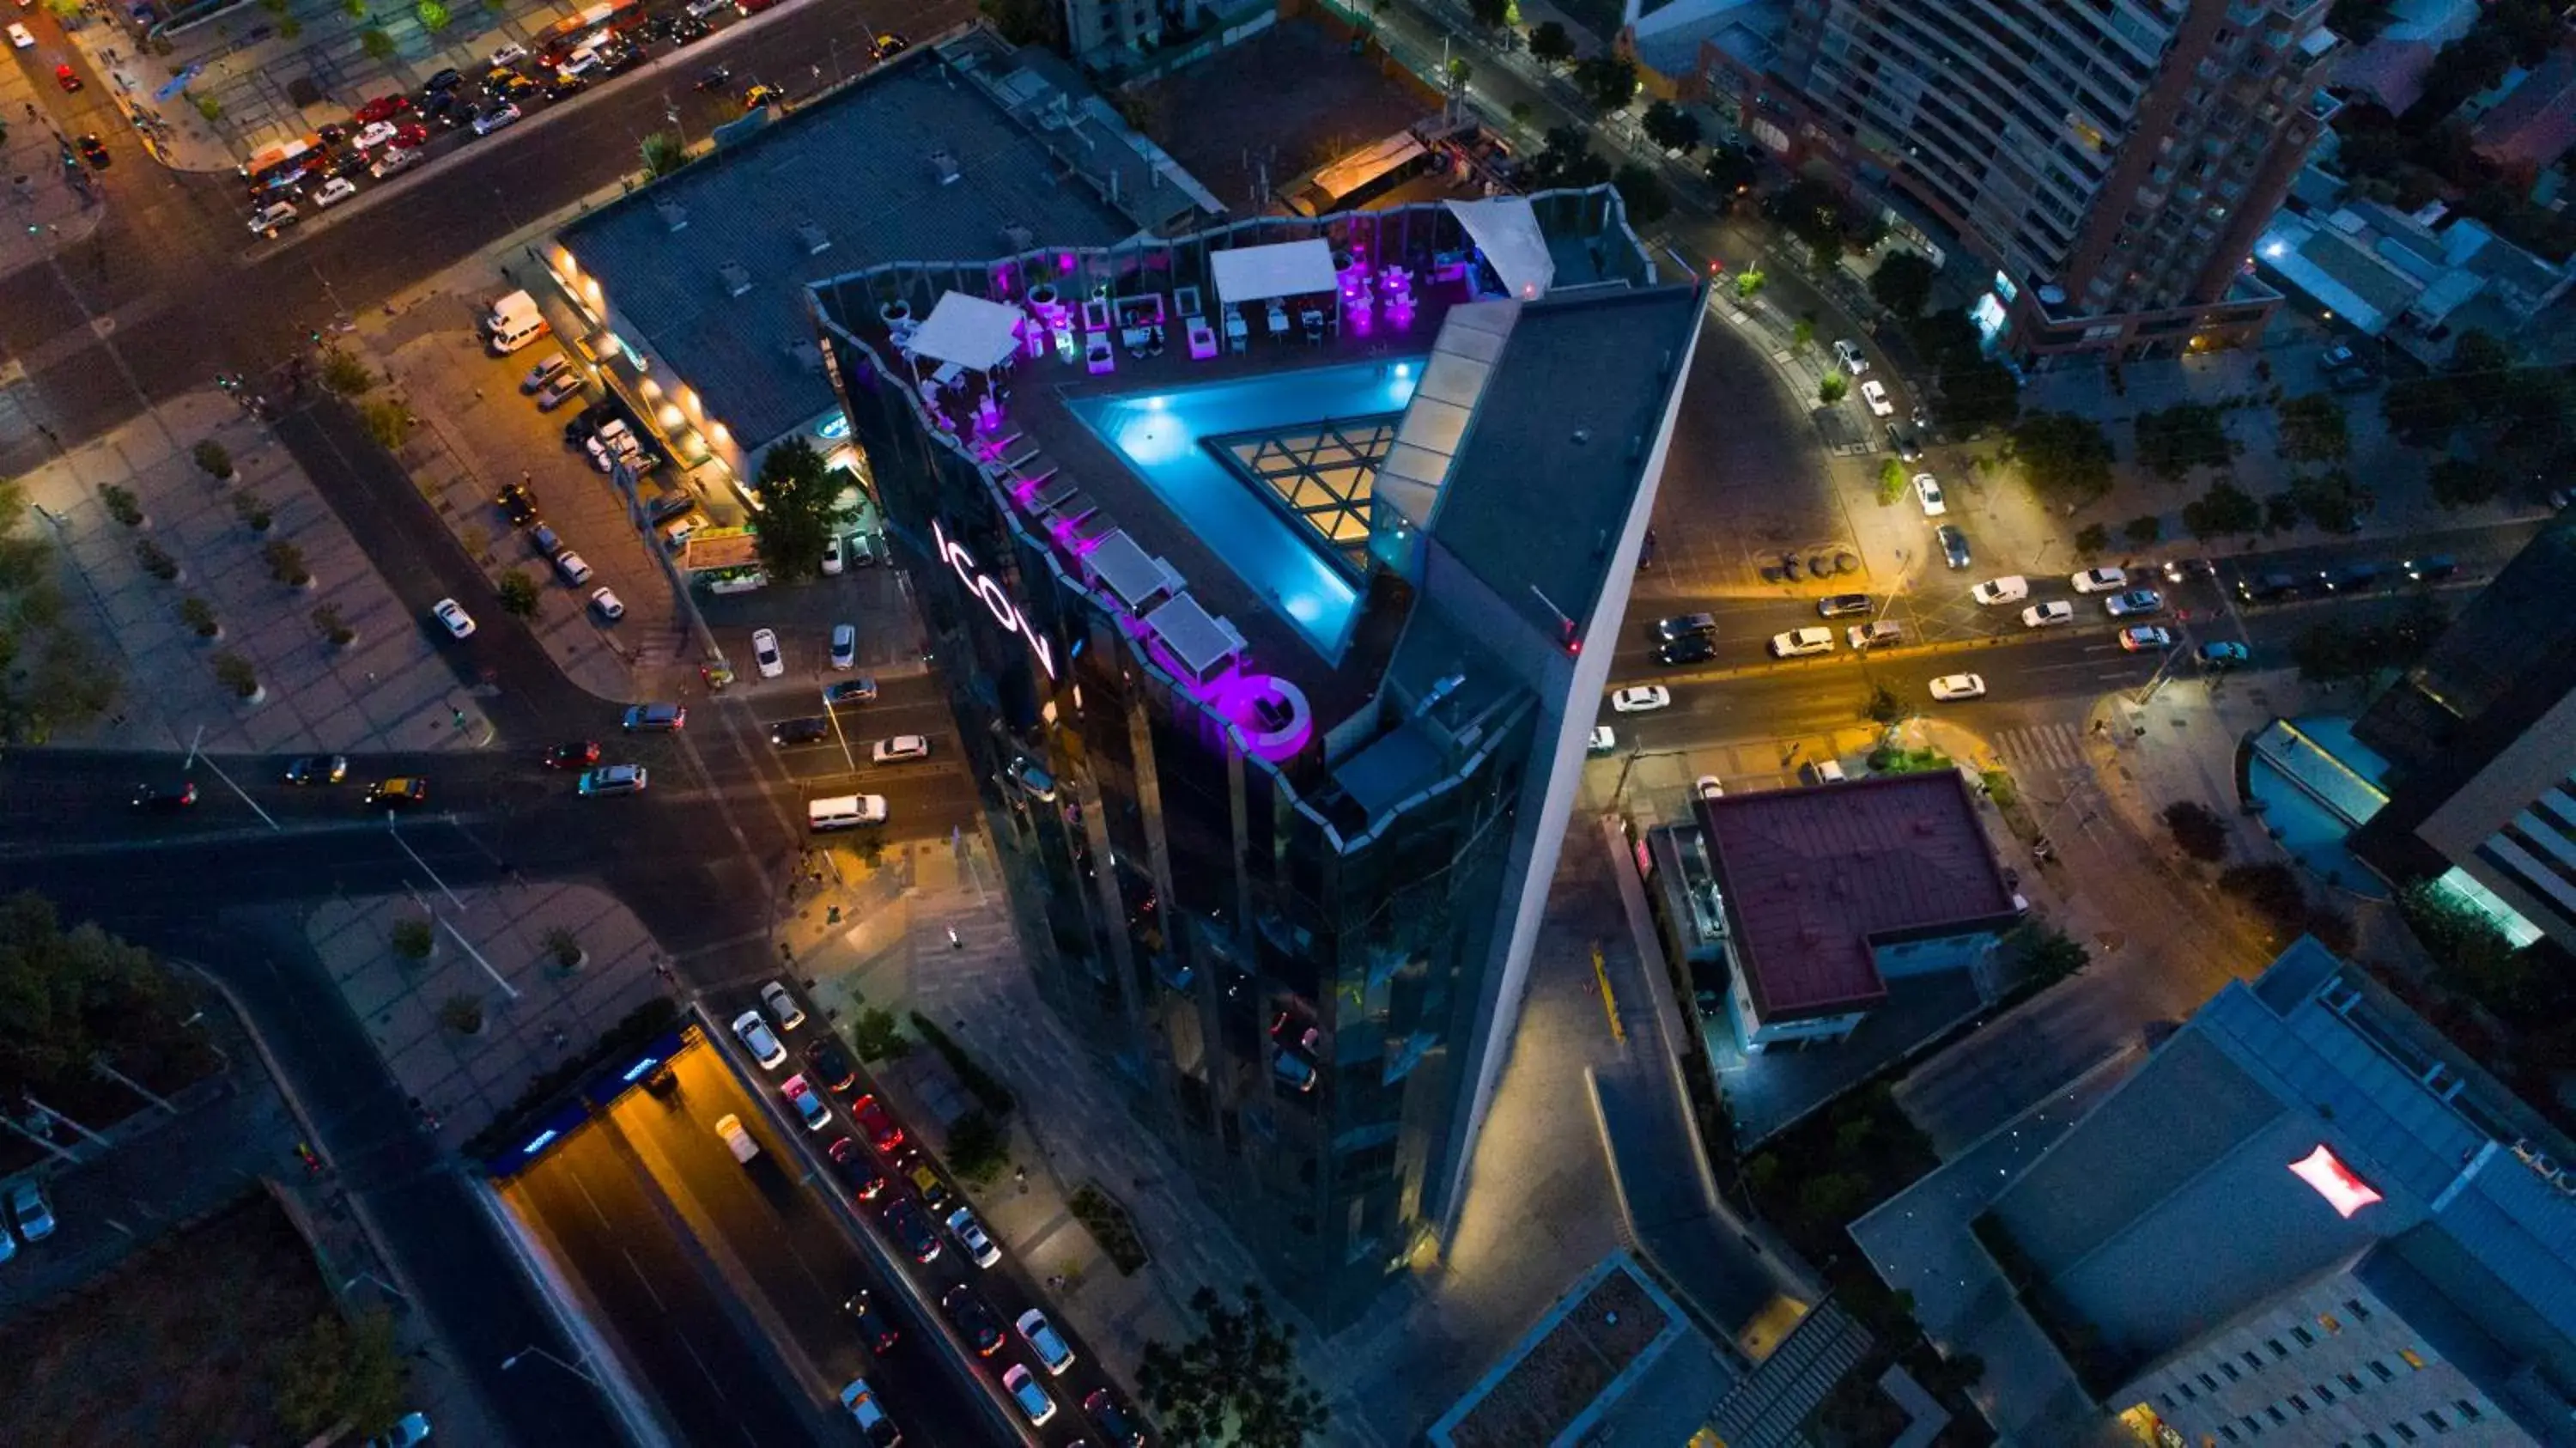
[674, 215]
[814, 237]
[944, 164]
[737, 278]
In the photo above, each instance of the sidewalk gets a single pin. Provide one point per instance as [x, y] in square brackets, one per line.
[385, 690]
[46, 211]
[269, 85]
[543, 1014]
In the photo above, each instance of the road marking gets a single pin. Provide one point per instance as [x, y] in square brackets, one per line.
[56, 848]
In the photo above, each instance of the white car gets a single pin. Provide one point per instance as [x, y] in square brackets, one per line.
[1024, 1390]
[1876, 396]
[451, 613]
[335, 191]
[2048, 615]
[845, 645]
[2145, 638]
[19, 37]
[2100, 580]
[1958, 686]
[1709, 786]
[608, 604]
[509, 55]
[1848, 353]
[832, 558]
[759, 1040]
[272, 216]
[486, 122]
[775, 996]
[1603, 741]
[1643, 699]
[375, 135]
[1046, 1342]
[2135, 601]
[1993, 591]
[1800, 642]
[764, 652]
[900, 748]
[970, 1235]
[1928, 489]
[394, 159]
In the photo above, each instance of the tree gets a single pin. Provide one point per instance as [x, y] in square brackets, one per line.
[2053, 955]
[434, 15]
[2466, 482]
[286, 564]
[253, 510]
[1566, 159]
[376, 43]
[388, 423]
[2312, 429]
[68, 995]
[2143, 531]
[2422, 412]
[2064, 454]
[1022, 22]
[1607, 81]
[339, 1371]
[2332, 501]
[1833, 387]
[1491, 14]
[1892, 482]
[462, 1014]
[2173, 441]
[2225, 508]
[664, 152]
[1748, 282]
[1802, 334]
[412, 938]
[1641, 194]
[800, 509]
[1883, 706]
[344, 374]
[877, 1036]
[1810, 210]
[2092, 538]
[235, 673]
[210, 455]
[1671, 127]
[1235, 1382]
[977, 1148]
[519, 593]
[1549, 44]
[2198, 829]
[1978, 396]
[1461, 71]
[1903, 282]
[199, 616]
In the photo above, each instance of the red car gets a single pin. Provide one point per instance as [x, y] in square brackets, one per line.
[573, 756]
[883, 1134]
[382, 108]
[67, 78]
[410, 134]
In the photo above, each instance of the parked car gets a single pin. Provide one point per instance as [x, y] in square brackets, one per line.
[808, 1102]
[764, 652]
[21, 38]
[845, 645]
[518, 505]
[614, 779]
[2012, 588]
[66, 77]
[1848, 353]
[572, 567]
[2135, 601]
[790, 1015]
[730, 1131]
[1951, 687]
[1954, 545]
[900, 748]
[560, 390]
[1874, 394]
[850, 691]
[1709, 786]
[2223, 654]
[1117, 1426]
[1024, 1390]
[971, 1236]
[1927, 490]
[2100, 580]
[1030, 776]
[1643, 699]
[830, 1064]
[1801, 642]
[606, 603]
[1603, 741]
[758, 1039]
[832, 554]
[1842, 605]
[1045, 1341]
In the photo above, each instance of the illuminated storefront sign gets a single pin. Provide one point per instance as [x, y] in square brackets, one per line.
[996, 602]
[834, 428]
[2334, 1181]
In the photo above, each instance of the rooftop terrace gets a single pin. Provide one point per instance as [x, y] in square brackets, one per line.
[963, 149]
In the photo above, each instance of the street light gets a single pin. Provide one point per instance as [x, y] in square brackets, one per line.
[580, 1369]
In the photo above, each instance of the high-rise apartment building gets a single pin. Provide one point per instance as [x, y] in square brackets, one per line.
[1274, 574]
[2480, 743]
[2113, 161]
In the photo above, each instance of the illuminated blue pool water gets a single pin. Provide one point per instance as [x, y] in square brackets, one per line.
[1159, 433]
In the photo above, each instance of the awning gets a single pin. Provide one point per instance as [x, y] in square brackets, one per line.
[1281, 269]
[1506, 230]
[968, 331]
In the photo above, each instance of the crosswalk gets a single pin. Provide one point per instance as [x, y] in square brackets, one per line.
[2057, 748]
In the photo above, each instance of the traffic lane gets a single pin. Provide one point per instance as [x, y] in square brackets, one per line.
[592, 1208]
[792, 1248]
[1005, 1287]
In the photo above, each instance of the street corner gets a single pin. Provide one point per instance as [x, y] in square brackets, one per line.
[1964, 746]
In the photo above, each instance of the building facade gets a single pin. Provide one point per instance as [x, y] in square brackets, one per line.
[2480, 739]
[1280, 858]
[2112, 163]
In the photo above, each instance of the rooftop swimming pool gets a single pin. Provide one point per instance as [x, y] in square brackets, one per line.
[1163, 435]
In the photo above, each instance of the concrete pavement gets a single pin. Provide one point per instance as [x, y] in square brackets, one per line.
[46, 207]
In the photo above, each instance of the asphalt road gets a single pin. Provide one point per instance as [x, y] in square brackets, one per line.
[180, 289]
[1005, 1286]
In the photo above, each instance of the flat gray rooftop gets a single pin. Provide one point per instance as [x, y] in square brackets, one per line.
[860, 165]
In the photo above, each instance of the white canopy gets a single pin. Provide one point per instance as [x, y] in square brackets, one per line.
[1281, 269]
[968, 331]
[1506, 230]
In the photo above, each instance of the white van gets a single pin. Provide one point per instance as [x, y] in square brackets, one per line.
[744, 1148]
[845, 812]
[514, 323]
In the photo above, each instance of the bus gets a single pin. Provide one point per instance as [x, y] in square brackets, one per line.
[590, 26]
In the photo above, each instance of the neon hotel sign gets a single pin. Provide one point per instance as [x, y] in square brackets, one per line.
[996, 602]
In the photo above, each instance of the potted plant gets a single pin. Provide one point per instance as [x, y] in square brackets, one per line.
[155, 559]
[218, 463]
[121, 505]
[1043, 295]
[413, 940]
[253, 511]
[327, 618]
[235, 673]
[565, 947]
[286, 564]
[897, 310]
[462, 1014]
[199, 616]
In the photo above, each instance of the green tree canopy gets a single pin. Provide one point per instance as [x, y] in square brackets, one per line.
[2064, 455]
[51, 676]
[1236, 1382]
[2313, 429]
[2224, 509]
[800, 510]
[1550, 44]
[1608, 81]
[1567, 159]
[1491, 14]
[1642, 194]
[66, 995]
[2466, 482]
[1903, 282]
[1671, 127]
